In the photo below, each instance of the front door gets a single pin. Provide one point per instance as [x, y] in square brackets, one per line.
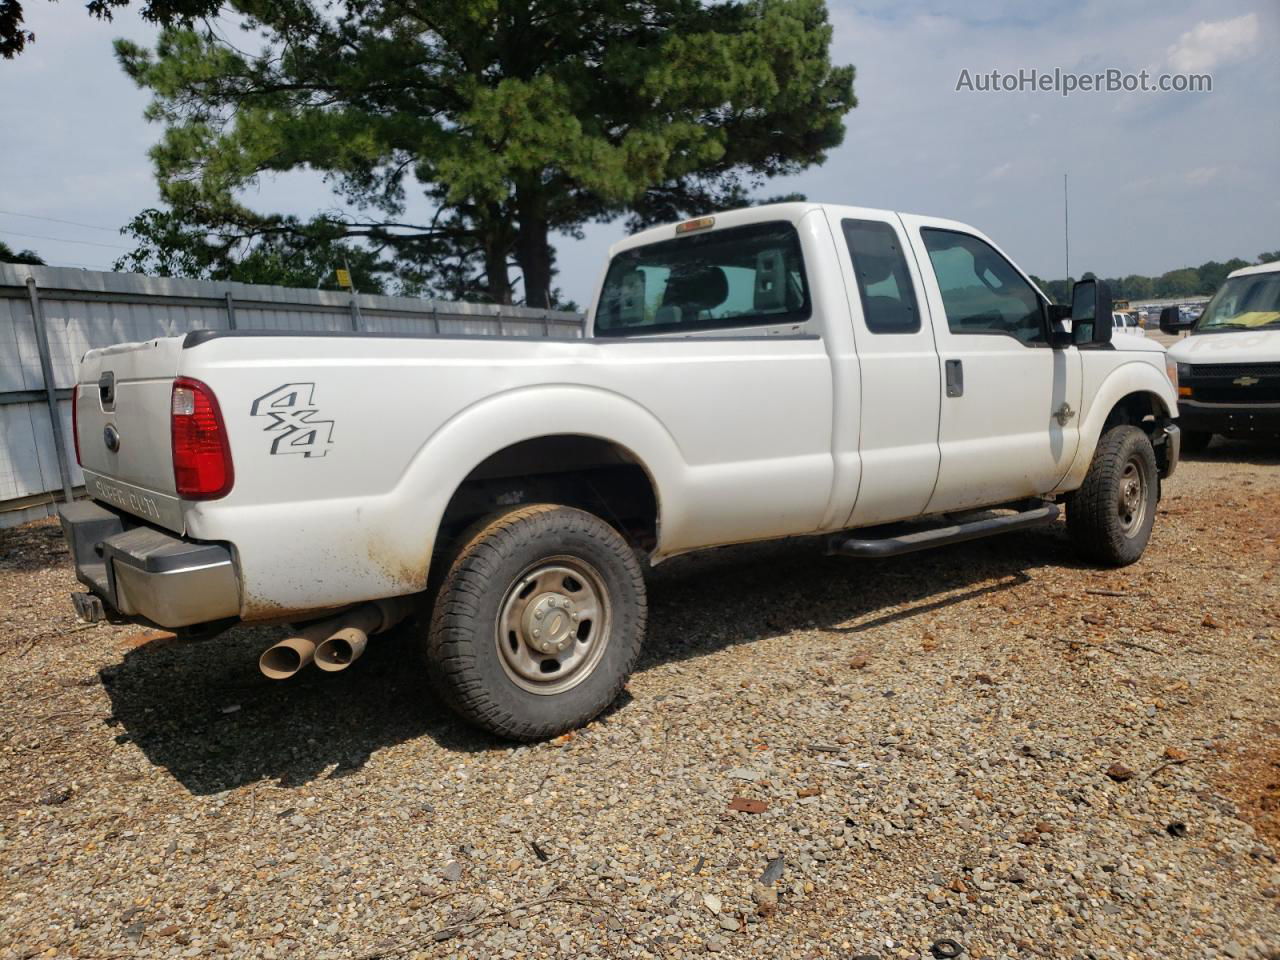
[1009, 425]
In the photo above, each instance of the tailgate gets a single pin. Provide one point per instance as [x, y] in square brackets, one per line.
[122, 424]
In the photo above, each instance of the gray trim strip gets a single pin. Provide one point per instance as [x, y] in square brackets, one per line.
[197, 337]
[32, 396]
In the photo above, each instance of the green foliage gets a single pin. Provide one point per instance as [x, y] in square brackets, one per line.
[1201, 281]
[1058, 291]
[1176, 283]
[167, 247]
[9, 255]
[513, 120]
[14, 36]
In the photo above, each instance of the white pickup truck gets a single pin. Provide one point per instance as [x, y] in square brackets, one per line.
[889, 381]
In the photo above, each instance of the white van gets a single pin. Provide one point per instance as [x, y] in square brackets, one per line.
[1229, 367]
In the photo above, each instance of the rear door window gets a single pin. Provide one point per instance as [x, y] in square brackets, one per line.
[884, 283]
[733, 277]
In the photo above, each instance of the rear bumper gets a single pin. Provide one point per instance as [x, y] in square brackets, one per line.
[144, 573]
[1230, 419]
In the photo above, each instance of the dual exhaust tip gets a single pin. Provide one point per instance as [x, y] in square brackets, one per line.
[333, 644]
[284, 659]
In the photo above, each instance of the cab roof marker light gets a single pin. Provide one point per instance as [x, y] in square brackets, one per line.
[702, 223]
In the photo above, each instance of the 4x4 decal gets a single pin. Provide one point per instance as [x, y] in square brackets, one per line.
[294, 420]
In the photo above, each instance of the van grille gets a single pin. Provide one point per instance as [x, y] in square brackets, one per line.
[1231, 370]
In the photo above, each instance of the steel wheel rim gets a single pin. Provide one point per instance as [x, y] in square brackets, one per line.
[553, 625]
[1131, 503]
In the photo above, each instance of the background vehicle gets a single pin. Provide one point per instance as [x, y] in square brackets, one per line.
[782, 370]
[1127, 323]
[1229, 367]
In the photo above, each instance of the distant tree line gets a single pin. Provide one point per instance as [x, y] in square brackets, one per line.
[1201, 281]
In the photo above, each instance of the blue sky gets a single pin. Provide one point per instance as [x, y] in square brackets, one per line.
[1158, 180]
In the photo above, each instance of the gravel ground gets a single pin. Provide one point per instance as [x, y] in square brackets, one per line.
[988, 743]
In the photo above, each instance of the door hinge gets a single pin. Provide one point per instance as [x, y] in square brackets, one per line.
[1063, 414]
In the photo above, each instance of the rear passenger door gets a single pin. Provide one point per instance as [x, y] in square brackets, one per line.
[898, 362]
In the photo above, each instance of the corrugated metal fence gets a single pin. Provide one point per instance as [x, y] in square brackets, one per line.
[49, 317]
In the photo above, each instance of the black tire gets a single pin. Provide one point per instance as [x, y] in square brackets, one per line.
[1109, 522]
[1195, 441]
[544, 561]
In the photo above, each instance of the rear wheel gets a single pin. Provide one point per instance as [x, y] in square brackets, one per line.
[1110, 517]
[1195, 441]
[538, 623]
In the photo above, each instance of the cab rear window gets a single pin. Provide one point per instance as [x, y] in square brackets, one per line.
[732, 277]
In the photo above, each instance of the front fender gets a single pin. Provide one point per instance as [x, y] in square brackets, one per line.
[1130, 377]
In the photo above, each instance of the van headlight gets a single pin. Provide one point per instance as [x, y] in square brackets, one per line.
[1172, 369]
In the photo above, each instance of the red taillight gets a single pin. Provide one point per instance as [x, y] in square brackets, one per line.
[201, 454]
[75, 421]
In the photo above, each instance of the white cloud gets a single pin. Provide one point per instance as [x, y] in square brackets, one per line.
[1201, 175]
[1211, 43]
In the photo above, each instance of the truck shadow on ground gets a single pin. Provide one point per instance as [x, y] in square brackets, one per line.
[1256, 452]
[202, 711]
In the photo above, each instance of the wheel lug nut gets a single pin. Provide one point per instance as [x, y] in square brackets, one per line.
[537, 614]
[537, 633]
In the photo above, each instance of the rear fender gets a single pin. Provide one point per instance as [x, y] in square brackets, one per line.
[410, 515]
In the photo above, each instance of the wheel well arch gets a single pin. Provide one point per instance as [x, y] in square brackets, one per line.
[592, 473]
[1139, 408]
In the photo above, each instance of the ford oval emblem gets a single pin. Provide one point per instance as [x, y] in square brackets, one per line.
[111, 437]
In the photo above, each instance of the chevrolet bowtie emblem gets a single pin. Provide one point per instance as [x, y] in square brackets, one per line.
[1245, 381]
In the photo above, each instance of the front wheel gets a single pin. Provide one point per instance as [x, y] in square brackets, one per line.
[1110, 517]
[538, 623]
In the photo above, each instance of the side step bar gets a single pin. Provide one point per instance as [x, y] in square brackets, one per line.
[851, 546]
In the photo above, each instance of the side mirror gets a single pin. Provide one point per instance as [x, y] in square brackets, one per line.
[1058, 321]
[1091, 312]
[1171, 321]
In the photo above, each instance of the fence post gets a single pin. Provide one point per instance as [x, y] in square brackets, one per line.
[231, 311]
[355, 311]
[50, 390]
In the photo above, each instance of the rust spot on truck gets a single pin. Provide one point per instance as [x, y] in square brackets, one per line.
[399, 574]
[263, 611]
[407, 573]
